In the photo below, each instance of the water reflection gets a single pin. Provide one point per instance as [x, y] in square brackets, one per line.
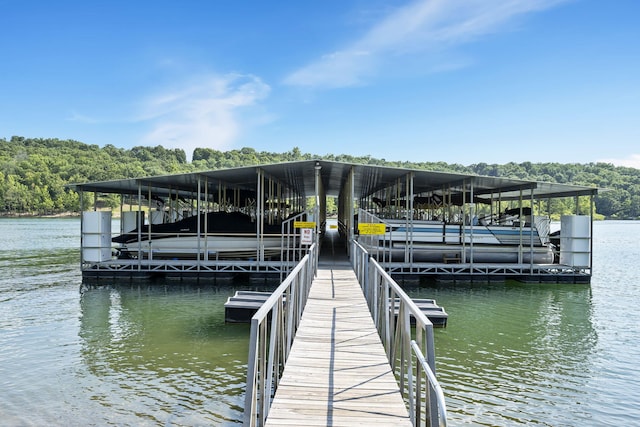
[514, 353]
[164, 354]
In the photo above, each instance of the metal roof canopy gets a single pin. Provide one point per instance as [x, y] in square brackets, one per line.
[368, 179]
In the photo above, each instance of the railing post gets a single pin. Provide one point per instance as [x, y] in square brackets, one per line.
[290, 306]
[275, 319]
[250, 393]
[375, 291]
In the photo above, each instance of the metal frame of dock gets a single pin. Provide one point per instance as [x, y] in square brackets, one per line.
[356, 187]
[482, 272]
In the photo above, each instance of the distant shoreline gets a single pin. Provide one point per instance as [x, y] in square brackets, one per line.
[115, 214]
[34, 215]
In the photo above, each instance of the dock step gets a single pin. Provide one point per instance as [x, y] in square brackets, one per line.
[244, 304]
[429, 308]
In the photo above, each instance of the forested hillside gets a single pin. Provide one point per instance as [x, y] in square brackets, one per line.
[34, 172]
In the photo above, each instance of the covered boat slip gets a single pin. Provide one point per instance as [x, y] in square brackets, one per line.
[261, 219]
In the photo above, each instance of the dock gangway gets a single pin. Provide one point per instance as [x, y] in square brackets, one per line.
[321, 353]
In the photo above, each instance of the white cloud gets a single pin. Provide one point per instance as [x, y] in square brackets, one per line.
[80, 118]
[415, 28]
[633, 161]
[205, 114]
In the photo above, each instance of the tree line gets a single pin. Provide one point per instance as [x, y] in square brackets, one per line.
[35, 171]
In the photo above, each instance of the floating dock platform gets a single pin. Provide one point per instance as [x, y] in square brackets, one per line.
[240, 307]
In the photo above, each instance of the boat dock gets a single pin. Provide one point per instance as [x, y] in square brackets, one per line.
[257, 220]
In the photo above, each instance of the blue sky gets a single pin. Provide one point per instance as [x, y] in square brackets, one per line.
[458, 81]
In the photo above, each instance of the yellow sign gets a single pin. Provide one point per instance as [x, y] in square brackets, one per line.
[333, 227]
[371, 228]
[304, 224]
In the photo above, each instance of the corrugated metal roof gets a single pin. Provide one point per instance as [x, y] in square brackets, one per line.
[368, 179]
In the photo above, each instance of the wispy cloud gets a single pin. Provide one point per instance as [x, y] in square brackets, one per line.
[206, 113]
[80, 118]
[633, 161]
[419, 27]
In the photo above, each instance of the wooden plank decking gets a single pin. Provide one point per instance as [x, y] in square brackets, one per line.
[337, 373]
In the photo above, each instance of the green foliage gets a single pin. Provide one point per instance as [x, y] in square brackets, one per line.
[34, 172]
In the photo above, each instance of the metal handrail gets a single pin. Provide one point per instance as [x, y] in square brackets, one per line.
[273, 329]
[431, 385]
[392, 311]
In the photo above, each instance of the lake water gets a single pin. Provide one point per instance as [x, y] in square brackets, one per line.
[161, 355]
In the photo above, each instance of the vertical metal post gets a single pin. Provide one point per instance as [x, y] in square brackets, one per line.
[150, 256]
[259, 214]
[351, 198]
[472, 214]
[410, 214]
[139, 223]
[206, 218]
[121, 212]
[463, 228]
[532, 222]
[251, 392]
[82, 227]
[520, 254]
[199, 223]
[591, 234]
[317, 207]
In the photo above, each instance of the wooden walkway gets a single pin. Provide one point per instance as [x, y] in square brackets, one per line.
[337, 373]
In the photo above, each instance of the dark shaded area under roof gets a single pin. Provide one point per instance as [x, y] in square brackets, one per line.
[368, 179]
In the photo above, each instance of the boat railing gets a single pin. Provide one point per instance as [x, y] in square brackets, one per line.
[255, 246]
[161, 246]
[411, 350]
[418, 241]
[273, 329]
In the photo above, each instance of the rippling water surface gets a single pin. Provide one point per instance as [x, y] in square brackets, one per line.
[549, 355]
[161, 355]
